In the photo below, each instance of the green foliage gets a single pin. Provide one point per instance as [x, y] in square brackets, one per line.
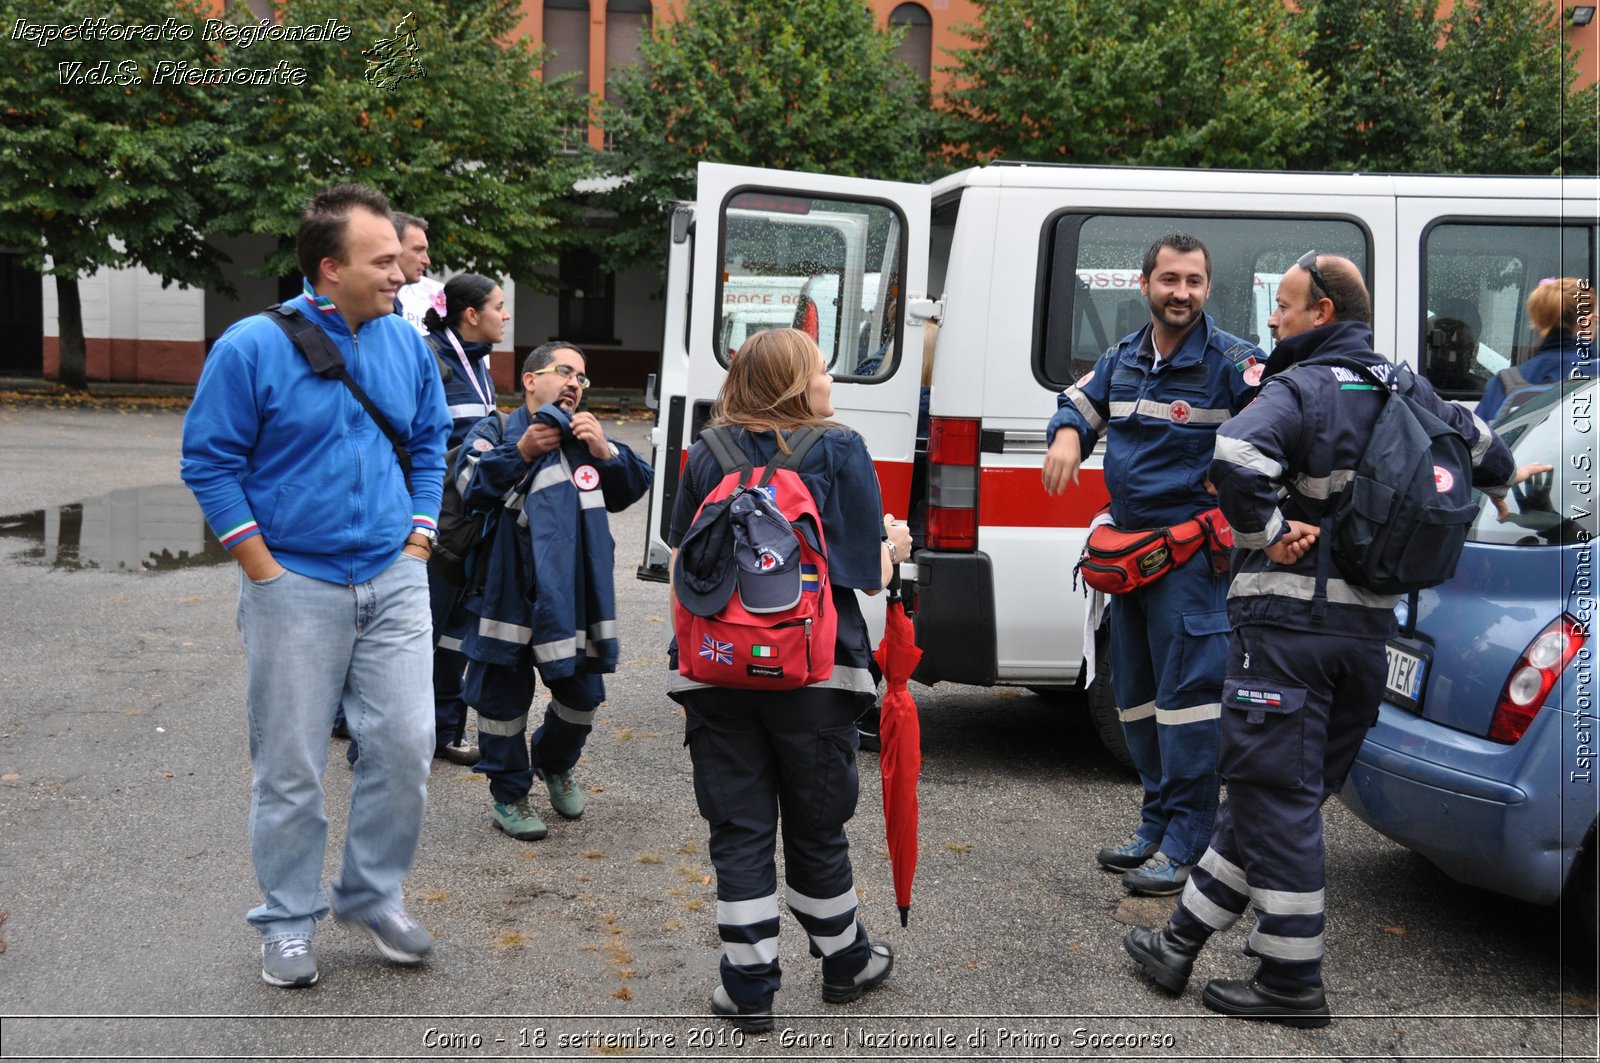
[1505, 85]
[473, 145]
[1378, 60]
[1207, 83]
[794, 84]
[98, 174]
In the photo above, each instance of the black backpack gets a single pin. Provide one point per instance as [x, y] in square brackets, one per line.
[1401, 523]
[462, 532]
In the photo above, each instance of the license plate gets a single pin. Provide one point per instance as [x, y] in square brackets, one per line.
[1407, 670]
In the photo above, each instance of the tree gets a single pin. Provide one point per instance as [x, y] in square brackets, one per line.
[97, 153]
[1207, 83]
[1506, 89]
[470, 140]
[1378, 61]
[795, 84]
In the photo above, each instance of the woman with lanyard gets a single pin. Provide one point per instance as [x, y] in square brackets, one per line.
[474, 322]
[757, 756]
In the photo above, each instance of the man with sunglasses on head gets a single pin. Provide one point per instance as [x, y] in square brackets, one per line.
[547, 605]
[1304, 676]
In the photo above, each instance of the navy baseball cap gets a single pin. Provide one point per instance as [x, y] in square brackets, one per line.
[766, 554]
[703, 579]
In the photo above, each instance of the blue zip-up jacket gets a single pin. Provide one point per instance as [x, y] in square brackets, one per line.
[466, 405]
[1158, 420]
[548, 586]
[1289, 456]
[1562, 356]
[272, 449]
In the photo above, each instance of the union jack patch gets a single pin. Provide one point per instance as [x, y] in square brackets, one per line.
[716, 651]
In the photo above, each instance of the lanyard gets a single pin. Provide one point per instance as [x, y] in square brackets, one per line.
[472, 375]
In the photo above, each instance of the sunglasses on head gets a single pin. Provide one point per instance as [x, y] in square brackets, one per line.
[1308, 262]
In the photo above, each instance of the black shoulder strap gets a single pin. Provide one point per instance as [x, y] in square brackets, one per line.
[446, 371]
[326, 361]
[729, 456]
[801, 440]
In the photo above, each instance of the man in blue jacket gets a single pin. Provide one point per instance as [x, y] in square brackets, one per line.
[548, 606]
[298, 481]
[1304, 674]
[1158, 398]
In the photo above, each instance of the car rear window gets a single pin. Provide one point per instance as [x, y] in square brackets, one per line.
[1557, 508]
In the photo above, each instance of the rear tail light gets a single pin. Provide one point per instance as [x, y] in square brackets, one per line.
[1533, 677]
[952, 484]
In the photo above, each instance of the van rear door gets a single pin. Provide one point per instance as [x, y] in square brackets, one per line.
[838, 257]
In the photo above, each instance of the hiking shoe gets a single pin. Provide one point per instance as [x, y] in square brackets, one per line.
[399, 937]
[459, 752]
[288, 963]
[1159, 876]
[880, 961]
[748, 1020]
[519, 820]
[565, 796]
[1127, 855]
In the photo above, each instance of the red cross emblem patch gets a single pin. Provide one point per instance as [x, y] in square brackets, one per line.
[1181, 412]
[586, 477]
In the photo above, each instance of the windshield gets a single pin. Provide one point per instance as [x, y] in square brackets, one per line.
[1556, 508]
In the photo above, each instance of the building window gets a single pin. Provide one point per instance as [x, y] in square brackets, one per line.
[566, 36]
[627, 23]
[916, 47]
[586, 308]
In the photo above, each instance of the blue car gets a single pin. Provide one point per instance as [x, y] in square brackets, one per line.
[1483, 756]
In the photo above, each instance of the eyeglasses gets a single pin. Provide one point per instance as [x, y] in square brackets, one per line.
[1308, 262]
[566, 372]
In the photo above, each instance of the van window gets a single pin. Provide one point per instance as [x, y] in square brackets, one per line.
[1555, 427]
[831, 267]
[1476, 279]
[1091, 295]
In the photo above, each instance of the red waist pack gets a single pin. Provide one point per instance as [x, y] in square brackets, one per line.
[1117, 561]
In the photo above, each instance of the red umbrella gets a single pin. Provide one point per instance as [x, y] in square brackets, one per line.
[900, 731]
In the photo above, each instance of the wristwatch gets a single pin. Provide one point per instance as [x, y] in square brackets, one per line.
[894, 558]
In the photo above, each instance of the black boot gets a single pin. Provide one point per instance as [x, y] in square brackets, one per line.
[1165, 956]
[1251, 1000]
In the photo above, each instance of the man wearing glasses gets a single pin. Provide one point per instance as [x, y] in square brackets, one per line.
[1304, 678]
[547, 605]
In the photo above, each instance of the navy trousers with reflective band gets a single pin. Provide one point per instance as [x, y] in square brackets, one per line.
[449, 621]
[502, 696]
[764, 761]
[1296, 707]
[1169, 641]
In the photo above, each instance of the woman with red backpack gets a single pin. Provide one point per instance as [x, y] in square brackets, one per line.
[784, 757]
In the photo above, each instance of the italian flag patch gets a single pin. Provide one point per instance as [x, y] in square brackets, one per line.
[763, 651]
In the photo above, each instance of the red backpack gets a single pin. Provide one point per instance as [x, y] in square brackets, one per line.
[754, 607]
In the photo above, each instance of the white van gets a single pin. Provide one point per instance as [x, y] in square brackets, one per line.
[1032, 272]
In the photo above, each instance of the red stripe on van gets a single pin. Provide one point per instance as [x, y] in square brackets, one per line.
[1014, 498]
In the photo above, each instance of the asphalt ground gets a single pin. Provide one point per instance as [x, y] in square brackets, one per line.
[125, 876]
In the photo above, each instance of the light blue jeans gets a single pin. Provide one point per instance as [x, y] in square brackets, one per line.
[311, 647]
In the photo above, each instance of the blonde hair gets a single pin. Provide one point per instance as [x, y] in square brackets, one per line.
[769, 384]
[1554, 305]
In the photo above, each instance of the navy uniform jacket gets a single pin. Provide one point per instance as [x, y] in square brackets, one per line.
[1159, 421]
[1288, 457]
[465, 402]
[549, 583]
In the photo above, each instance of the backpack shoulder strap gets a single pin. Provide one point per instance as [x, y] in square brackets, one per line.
[730, 457]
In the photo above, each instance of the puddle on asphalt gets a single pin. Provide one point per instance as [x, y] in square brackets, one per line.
[135, 529]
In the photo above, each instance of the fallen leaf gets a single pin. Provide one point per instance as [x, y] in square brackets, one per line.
[705, 881]
[10, 776]
[1398, 931]
[623, 993]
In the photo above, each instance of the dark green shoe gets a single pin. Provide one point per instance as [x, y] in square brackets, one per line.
[519, 820]
[565, 797]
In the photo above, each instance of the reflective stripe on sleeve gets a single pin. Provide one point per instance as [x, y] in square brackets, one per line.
[1081, 403]
[1247, 456]
[1304, 588]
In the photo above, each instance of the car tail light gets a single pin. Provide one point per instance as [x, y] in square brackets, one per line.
[1533, 676]
[952, 484]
